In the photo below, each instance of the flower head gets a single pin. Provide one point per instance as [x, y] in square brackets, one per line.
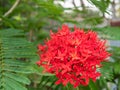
[73, 56]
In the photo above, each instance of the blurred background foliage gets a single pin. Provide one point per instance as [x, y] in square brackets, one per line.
[26, 23]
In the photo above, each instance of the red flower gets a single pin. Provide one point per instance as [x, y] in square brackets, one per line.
[73, 56]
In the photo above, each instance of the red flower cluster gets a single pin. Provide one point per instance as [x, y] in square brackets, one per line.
[73, 56]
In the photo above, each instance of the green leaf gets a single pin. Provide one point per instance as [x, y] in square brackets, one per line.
[17, 77]
[92, 85]
[117, 68]
[19, 63]
[107, 70]
[102, 5]
[119, 84]
[14, 84]
[19, 70]
[16, 54]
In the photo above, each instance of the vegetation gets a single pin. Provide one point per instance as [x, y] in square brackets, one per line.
[26, 23]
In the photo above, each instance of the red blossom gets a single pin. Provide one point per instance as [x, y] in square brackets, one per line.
[73, 56]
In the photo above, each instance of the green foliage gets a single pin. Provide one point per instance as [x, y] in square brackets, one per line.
[15, 56]
[116, 65]
[102, 5]
[48, 83]
[18, 70]
[116, 59]
[110, 33]
[32, 14]
[93, 20]
[107, 70]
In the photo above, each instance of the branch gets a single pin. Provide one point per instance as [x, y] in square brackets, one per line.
[11, 9]
[82, 4]
[74, 4]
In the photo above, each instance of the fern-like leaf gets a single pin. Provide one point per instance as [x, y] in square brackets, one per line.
[15, 54]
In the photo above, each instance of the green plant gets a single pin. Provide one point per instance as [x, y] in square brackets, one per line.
[102, 5]
[16, 54]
